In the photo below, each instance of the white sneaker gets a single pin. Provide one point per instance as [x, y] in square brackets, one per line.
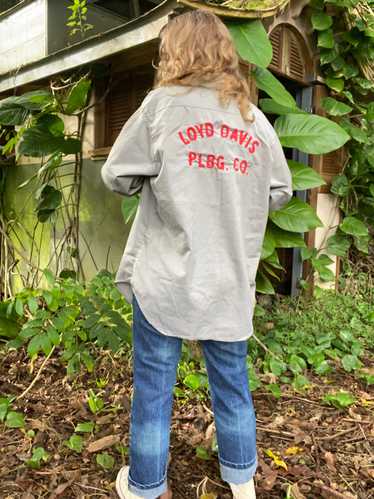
[243, 490]
[122, 484]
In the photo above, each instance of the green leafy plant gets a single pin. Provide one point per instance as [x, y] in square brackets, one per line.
[86, 427]
[346, 42]
[341, 399]
[39, 457]
[105, 460]
[202, 453]
[75, 443]
[41, 134]
[77, 21]
[71, 318]
[95, 402]
[11, 418]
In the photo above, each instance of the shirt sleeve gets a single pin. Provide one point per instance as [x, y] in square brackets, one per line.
[131, 158]
[280, 178]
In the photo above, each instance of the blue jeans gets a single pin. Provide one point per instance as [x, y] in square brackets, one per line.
[155, 361]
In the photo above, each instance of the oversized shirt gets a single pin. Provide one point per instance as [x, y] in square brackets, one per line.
[207, 181]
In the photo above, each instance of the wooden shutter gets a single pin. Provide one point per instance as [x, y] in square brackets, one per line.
[289, 57]
[296, 64]
[128, 92]
[330, 164]
[276, 42]
[119, 107]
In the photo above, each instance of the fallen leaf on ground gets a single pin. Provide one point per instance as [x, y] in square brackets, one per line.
[103, 443]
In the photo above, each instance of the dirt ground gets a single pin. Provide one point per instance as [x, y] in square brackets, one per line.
[305, 447]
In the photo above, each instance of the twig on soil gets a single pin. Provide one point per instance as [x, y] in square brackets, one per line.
[335, 435]
[266, 348]
[276, 432]
[313, 402]
[90, 487]
[347, 483]
[367, 441]
[351, 440]
[203, 483]
[207, 408]
[332, 493]
[37, 374]
[357, 421]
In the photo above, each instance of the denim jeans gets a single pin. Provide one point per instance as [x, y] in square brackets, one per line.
[155, 361]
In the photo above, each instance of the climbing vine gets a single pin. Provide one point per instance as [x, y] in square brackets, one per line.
[346, 60]
[39, 132]
[344, 31]
[345, 36]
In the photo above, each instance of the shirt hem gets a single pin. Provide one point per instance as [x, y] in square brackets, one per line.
[128, 291]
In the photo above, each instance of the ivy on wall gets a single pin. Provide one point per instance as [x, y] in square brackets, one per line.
[297, 129]
[40, 133]
[344, 55]
[344, 30]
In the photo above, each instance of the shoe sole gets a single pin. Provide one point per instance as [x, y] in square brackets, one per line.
[123, 476]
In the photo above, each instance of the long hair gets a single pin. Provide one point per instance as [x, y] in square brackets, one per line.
[196, 49]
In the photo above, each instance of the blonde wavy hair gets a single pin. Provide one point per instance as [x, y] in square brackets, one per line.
[196, 49]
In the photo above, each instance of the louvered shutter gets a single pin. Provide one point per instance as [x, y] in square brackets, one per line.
[288, 54]
[330, 164]
[119, 107]
[276, 42]
[296, 63]
[126, 95]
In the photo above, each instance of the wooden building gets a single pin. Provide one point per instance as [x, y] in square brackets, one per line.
[125, 40]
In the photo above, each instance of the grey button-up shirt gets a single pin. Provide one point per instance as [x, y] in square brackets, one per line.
[208, 180]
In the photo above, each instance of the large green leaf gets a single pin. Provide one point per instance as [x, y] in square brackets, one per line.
[327, 56]
[8, 328]
[12, 114]
[335, 107]
[37, 142]
[310, 133]
[284, 238]
[326, 39]
[267, 82]
[296, 216]
[270, 106]
[252, 42]
[362, 243]
[354, 226]
[355, 132]
[268, 245]
[15, 109]
[321, 21]
[263, 284]
[50, 198]
[78, 96]
[340, 185]
[336, 84]
[304, 177]
[52, 123]
[273, 260]
[370, 112]
[35, 100]
[338, 244]
[128, 207]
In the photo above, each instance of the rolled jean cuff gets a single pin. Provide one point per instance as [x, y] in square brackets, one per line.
[152, 491]
[231, 473]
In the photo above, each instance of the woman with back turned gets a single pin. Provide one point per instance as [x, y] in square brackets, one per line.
[209, 167]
